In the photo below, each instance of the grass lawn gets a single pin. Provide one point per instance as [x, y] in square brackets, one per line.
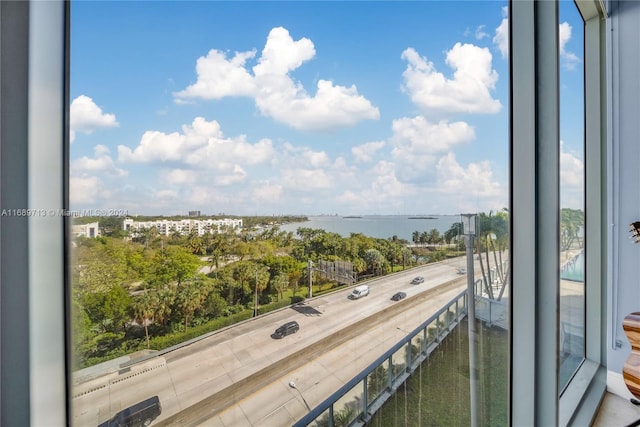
[437, 394]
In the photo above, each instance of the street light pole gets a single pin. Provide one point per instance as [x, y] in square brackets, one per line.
[255, 296]
[255, 292]
[469, 230]
[310, 279]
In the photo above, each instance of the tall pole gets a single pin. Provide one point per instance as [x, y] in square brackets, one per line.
[255, 296]
[310, 278]
[471, 320]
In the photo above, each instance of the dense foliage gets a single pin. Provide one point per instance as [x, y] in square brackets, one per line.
[150, 291]
[146, 291]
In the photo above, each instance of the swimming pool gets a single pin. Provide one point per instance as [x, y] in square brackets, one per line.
[574, 269]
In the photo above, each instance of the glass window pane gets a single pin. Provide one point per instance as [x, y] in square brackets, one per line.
[266, 198]
[572, 191]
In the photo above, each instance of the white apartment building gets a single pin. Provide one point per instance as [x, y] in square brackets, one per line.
[90, 230]
[184, 226]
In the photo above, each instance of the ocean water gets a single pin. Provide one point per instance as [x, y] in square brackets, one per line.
[380, 226]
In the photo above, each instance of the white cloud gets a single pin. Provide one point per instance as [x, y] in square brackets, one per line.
[179, 177]
[365, 152]
[281, 54]
[569, 59]
[101, 162]
[275, 93]
[417, 136]
[219, 77]
[571, 170]
[472, 188]
[501, 38]
[332, 106]
[571, 179]
[304, 157]
[201, 145]
[467, 92]
[298, 179]
[266, 192]
[234, 175]
[84, 190]
[481, 33]
[418, 144]
[85, 116]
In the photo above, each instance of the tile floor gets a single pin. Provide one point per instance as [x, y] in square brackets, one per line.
[616, 412]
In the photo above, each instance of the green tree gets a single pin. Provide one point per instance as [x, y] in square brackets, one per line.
[101, 265]
[143, 309]
[376, 262]
[189, 298]
[195, 244]
[492, 238]
[108, 310]
[424, 237]
[260, 283]
[214, 305]
[453, 233]
[433, 237]
[294, 280]
[173, 264]
[218, 248]
[415, 237]
[281, 283]
[571, 227]
[164, 307]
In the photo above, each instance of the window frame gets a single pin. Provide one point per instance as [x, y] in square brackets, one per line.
[33, 335]
[34, 109]
[535, 211]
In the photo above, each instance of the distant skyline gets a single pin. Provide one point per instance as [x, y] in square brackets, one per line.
[261, 108]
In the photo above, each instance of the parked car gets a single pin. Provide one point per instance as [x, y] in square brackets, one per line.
[286, 329]
[359, 292]
[398, 296]
[417, 280]
[140, 414]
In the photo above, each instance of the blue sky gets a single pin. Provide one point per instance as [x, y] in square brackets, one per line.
[297, 107]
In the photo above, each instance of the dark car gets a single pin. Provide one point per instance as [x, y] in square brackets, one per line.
[138, 415]
[398, 296]
[417, 280]
[286, 329]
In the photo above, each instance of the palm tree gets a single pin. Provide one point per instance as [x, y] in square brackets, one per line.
[164, 306]
[454, 232]
[195, 244]
[493, 232]
[144, 308]
[571, 224]
[188, 300]
[281, 283]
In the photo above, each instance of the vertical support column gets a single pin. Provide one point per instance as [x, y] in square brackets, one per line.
[534, 211]
[48, 190]
[14, 230]
[310, 266]
[473, 336]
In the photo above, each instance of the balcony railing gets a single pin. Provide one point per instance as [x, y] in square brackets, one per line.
[355, 402]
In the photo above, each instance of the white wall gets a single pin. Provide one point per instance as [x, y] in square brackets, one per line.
[624, 180]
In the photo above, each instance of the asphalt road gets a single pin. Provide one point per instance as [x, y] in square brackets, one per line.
[214, 377]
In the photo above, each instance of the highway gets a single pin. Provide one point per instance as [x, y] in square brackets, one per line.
[240, 375]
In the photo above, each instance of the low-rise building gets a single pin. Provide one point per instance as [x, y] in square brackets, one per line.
[200, 227]
[90, 230]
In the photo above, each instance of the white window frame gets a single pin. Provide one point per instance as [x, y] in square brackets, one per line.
[34, 123]
[535, 208]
